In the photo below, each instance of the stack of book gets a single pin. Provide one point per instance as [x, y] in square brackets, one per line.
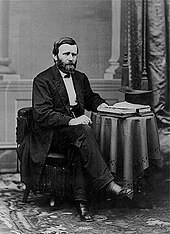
[126, 109]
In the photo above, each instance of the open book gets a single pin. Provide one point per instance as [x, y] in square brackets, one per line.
[126, 108]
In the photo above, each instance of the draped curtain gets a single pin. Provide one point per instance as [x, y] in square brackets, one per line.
[147, 28]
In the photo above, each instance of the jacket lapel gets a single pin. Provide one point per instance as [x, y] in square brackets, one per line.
[59, 83]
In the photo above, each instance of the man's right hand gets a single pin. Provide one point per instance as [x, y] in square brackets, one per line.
[83, 119]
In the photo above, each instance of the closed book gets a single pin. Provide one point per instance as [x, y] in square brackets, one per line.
[127, 106]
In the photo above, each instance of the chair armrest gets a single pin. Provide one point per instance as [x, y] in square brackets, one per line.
[24, 123]
[25, 111]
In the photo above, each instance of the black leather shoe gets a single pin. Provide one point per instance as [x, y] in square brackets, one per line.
[83, 211]
[114, 188]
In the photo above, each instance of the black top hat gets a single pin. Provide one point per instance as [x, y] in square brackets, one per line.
[144, 97]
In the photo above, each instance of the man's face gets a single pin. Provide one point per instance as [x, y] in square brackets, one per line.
[66, 59]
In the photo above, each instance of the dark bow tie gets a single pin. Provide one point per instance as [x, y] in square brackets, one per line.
[67, 75]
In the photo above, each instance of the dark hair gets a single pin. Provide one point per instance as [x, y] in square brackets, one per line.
[61, 41]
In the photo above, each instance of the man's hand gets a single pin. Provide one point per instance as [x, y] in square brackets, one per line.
[83, 119]
[102, 105]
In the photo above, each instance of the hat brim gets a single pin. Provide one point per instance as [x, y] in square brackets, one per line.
[129, 90]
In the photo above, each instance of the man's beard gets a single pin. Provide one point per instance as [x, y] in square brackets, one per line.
[66, 67]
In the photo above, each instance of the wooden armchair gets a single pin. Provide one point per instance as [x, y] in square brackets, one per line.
[56, 177]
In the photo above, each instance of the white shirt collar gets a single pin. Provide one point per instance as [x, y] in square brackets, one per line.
[63, 74]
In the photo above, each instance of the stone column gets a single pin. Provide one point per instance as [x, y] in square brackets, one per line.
[115, 50]
[6, 73]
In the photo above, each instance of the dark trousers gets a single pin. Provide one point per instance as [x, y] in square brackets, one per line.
[90, 164]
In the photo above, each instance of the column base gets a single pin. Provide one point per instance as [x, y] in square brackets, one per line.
[111, 76]
[108, 76]
[113, 72]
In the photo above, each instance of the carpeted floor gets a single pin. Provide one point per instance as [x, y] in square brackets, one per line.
[36, 217]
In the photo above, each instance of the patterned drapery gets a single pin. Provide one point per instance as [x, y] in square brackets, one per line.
[148, 27]
[158, 57]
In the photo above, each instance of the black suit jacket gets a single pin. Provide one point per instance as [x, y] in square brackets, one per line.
[50, 101]
[51, 109]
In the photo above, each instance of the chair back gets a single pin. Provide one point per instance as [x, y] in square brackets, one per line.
[24, 123]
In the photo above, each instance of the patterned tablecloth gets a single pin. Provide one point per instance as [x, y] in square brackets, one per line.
[129, 145]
